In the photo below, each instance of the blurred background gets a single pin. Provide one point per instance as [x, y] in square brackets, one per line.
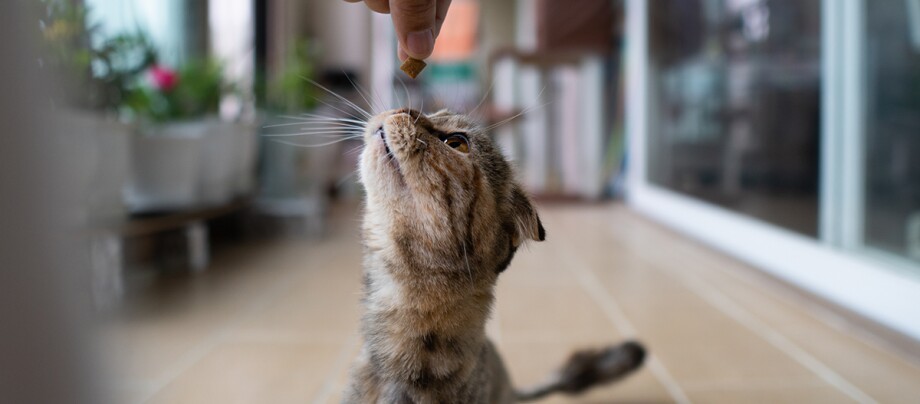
[735, 182]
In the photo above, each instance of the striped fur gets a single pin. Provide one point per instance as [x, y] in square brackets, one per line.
[439, 227]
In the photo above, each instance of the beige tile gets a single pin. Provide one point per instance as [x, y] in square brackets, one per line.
[870, 369]
[323, 302]
[337, 394]
[530, 363]
[339, 383]
[277, 322]
[880, 375]
[139, 354]
[697, 342]
[125, 393]
[777, 395]
[254, 373]
[699, 345]
[319, 310]
[338, 378]
[560, 314]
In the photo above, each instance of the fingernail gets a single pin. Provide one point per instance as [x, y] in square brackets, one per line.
[420, 43]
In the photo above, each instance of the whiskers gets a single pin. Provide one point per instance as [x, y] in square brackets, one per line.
[347, 121]
[340, 119]
[318, 132]
[523, 112]
[344, 180]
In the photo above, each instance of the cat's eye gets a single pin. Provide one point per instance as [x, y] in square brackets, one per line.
[458, 142]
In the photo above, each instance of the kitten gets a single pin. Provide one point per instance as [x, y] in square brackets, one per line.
[443, 219]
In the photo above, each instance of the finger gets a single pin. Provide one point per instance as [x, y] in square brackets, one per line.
[440, 16]
[380, 6]
[402, 54]
[353, 1]
[415, 25]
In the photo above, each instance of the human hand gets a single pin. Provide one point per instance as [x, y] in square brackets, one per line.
[417, 23]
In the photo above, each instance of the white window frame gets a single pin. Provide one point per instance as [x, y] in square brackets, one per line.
[836, 266]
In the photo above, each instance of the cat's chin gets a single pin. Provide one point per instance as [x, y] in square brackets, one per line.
[377, 151]
[380, 163]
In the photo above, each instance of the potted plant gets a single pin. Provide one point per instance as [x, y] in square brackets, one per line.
[94, 77]
[295, 180]
[246, 148]
[185, 156]
[287, 93]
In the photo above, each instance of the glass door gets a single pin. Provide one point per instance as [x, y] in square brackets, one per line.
[787, 134]
[803, 115]
[737, 110]
[891, 154]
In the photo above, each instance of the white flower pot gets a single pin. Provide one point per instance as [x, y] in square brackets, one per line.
[166, 166]
[101, 151]
[113, 166]
[217, 163]
[279, 175]
[246, 151]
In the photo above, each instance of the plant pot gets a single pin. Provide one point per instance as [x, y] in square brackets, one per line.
[113, 165]
[100, 148]
[217, 163]
[166, 166]
[246, 150]
[280, 163]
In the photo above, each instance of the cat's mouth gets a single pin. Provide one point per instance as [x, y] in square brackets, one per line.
[383, 137]
[391, 158]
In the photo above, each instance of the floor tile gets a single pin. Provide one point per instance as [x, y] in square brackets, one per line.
[277, 322]
[247, 373]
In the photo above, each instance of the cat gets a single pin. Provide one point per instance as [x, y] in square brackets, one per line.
[443, 219]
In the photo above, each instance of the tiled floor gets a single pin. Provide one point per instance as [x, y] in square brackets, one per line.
[277, 323]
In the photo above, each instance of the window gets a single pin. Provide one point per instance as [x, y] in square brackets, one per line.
[735, 89]
[787, 134]
[892, 129]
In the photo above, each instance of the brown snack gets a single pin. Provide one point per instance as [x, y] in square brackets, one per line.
[413, 67]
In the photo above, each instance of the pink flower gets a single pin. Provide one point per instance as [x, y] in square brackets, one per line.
[163, 78]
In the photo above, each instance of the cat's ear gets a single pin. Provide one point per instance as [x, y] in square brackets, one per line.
[527, 223]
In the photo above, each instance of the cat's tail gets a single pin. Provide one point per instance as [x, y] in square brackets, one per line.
[589, 368]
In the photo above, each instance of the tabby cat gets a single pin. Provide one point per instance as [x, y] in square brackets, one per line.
[443, 219]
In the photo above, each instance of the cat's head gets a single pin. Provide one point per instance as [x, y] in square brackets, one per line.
[441, 193]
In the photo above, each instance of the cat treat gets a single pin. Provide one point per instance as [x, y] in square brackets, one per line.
[413, 67]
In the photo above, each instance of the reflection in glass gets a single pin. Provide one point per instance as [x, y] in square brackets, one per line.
[892, 142]
[735, 113]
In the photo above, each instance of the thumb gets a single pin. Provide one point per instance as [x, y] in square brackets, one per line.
[415, 25]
